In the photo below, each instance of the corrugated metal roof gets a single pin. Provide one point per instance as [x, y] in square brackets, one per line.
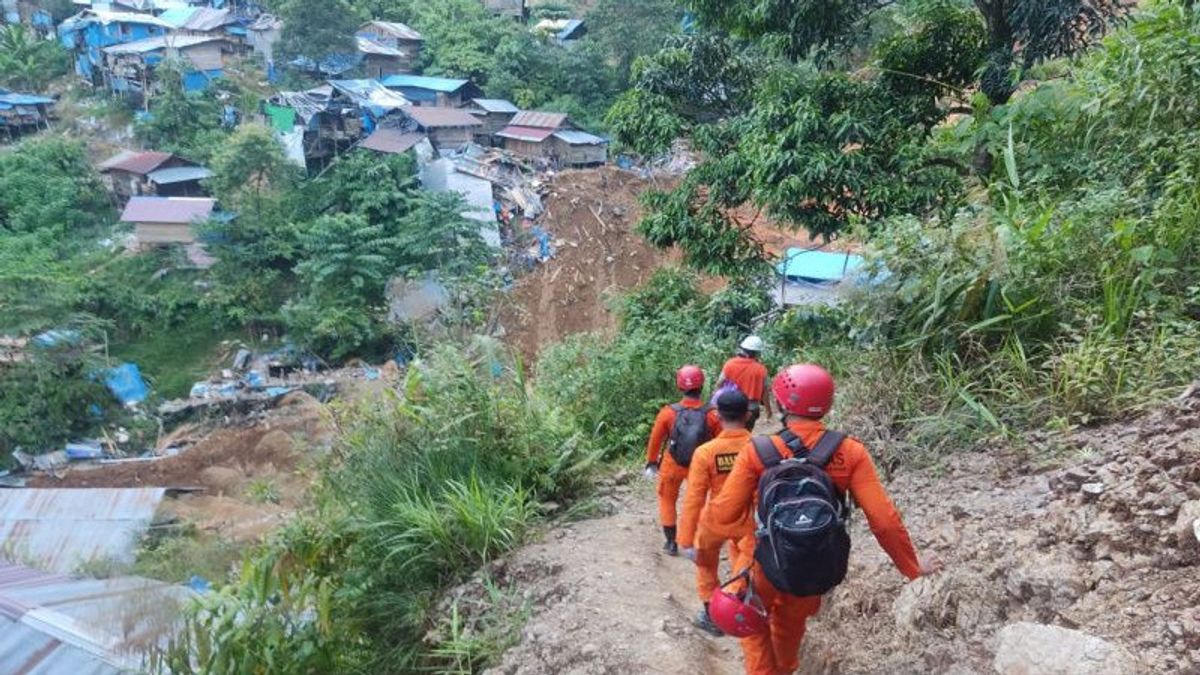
[161, 42]
[392, 141]
[52, 623]
[496, 105]
[441, 84]
[61, 528]
[367, 46]
[572, 137]
[266, 22]
[179, 174]
[13, 98]
[823, 266]
[106, 17]
[140, 163]
[442, 176]
[390, 29]
[433, 117]
[179, 210]
[370, 93]
[177, 16]
[531, 134]
[207, 18]
[541, 120]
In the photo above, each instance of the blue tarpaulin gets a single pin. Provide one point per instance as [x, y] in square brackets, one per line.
[126, 383]
[819, 266]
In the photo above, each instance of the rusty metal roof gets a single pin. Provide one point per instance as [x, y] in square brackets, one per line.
[179, 210]
[390, 29]
[432, 117]
[140, 163]
[541, 120]
[51, 623]
[392, 141]
[59, 529]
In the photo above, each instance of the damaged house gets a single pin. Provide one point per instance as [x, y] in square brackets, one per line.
[446, 128]
[552, 137]
[388, 48]
[134, 174]
[129, 68]
[23, 113]
[319, 124]
[494, 114]
[433, 91]
[88, 33]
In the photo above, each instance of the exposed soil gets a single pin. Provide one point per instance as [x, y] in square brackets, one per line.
[1102, 540]
[591, 215]
[268, 453]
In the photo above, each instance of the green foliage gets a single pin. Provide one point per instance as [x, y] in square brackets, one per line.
[49, 398]
[188, 124]
[794, 28]
[627, 29]
[316, 29]
[28, 63]
[428, 486]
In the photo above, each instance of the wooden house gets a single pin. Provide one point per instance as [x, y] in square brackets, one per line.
[132, 174]
[389, 48]
[166, 220]
[495, 114]
[445, 127]
[433, 91]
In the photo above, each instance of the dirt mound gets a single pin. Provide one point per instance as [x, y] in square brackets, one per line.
[1102, 545]
[591, 215]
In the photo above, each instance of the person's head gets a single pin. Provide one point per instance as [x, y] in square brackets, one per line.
[804, 390]
[751, 347]
[734, 409]
[690, 380]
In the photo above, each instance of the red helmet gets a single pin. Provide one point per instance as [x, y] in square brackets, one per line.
[805, 390]
[738, 616]
[689, 378]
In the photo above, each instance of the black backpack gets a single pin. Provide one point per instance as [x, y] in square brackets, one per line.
[801, 539]
[690, 432]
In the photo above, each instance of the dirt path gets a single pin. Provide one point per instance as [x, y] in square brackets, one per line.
[1095, 531]
[607, 600]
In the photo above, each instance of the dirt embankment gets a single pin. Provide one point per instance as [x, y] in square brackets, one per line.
[1104, 543]
[591, 216]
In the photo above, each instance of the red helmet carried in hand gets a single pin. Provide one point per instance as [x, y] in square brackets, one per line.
[738, 616]
[805, 390]
[689, 378]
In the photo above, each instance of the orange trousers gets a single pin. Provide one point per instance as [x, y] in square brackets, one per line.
[708, 561]
[670, 479]
[778, 651]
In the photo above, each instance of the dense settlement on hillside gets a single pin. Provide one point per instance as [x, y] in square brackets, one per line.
[464, 142]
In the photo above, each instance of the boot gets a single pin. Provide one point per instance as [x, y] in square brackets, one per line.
[705, 623]
[670, 548]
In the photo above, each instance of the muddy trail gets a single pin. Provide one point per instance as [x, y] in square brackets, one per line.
[1079, 555]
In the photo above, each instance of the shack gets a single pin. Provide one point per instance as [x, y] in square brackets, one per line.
[133, 174]
[513, 9]
[166, 220]
[129, 68]
[391, 141]
[403, 40]
[494, 114]
[23, 113]
[564, 32]
[528, 133]
[576, 149]
[433, 91]
[262, 35]
[87, 34]
[446, 127]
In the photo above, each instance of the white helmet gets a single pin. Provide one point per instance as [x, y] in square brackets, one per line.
[752, 344]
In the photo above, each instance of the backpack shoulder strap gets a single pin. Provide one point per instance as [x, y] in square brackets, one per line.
[794, 443]
[768, 454]
[677, 407]
[826, 447]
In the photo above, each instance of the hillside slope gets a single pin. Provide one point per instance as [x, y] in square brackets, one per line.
[1103, 543]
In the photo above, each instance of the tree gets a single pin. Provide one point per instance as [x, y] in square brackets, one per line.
[627, 29]
[188, 124]
[250, 170]
[317, 29]
[28, 62]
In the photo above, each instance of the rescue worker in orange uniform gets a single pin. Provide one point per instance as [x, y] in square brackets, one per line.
[750, 375]
[660, 459]
[710, 465]
[805, 395]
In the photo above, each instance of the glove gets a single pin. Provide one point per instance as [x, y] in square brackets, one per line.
[689, 553]
[651, 471]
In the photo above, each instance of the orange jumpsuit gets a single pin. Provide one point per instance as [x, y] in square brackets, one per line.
[710, 466]
[749, 375]
[670, 474]
[852, 471]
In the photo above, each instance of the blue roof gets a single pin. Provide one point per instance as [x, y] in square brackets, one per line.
[819, 265]
[442, 84]
[24, 99]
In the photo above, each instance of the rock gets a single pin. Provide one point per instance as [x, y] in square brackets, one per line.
[1037, 649]
[589, 651]
[622, 477]
[1091, 491]
[1074, 477]
[1187, 526]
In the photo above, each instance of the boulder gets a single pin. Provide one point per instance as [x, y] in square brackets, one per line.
[1187, 526]
[1037, 649]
